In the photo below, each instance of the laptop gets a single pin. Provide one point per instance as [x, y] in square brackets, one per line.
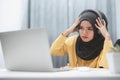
[27, 50]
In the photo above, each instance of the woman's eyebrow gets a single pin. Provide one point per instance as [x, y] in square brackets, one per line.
[89, 27]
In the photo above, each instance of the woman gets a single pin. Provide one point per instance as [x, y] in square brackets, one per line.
[89, 48]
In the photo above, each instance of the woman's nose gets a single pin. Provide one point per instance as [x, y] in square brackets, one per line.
[85, 31]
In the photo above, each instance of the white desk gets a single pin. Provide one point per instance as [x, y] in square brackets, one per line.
[92, 74]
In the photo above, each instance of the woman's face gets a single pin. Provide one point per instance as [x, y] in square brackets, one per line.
[86, 31]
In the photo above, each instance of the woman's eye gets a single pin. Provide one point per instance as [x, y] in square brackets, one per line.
[80, 27]
[90, 28]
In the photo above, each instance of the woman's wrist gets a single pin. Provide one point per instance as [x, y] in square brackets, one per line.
[107, 36]
[69, 30]
[66, 33]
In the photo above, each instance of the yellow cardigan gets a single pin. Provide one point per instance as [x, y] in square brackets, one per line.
[66, 45]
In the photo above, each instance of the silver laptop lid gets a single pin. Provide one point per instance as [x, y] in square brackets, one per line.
[26, 50]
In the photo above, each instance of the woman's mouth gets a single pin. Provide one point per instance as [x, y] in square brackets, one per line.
[84, 37]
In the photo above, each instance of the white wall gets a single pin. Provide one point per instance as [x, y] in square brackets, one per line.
[10, 15]
[118, 18]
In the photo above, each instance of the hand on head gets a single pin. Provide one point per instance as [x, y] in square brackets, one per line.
[75, 24]
[72, 28]
[101, 25]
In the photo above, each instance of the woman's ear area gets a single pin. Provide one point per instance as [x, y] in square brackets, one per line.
[77, 27]
[78, 23]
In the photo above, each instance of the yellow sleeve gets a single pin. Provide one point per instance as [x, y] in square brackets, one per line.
[58, 47]
[102, 59]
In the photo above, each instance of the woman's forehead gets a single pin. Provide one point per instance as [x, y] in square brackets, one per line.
[85, 23]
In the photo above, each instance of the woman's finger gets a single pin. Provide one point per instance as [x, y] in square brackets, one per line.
[100, 21]
[97, 26]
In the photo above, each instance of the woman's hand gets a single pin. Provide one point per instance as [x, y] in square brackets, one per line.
[101, 25]
[72, 28]
[75, 24]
